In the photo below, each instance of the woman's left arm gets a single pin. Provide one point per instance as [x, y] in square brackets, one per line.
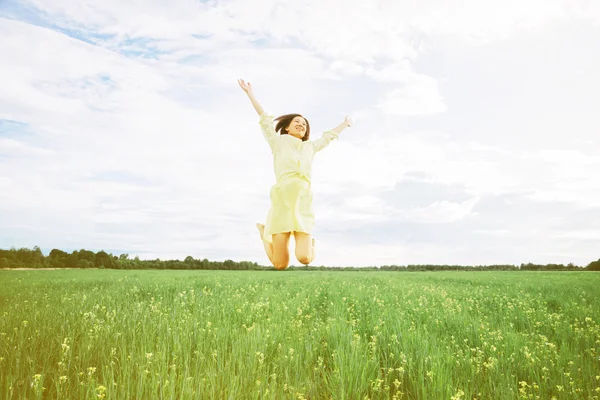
[346, 124]
[331, 135]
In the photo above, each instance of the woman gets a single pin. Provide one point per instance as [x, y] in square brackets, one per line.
[291, 197]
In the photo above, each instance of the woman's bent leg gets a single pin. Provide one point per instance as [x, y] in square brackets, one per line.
[278, 251]
[305, 247]
[268, 246]
[281, 250]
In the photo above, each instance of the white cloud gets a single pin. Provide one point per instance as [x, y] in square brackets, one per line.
[15, 148]
[484, 21]
[440, 212]
[400, 71]
[419, 96]
[584, 234]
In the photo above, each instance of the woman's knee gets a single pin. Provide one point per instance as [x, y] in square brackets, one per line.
[303, 259]
[280, 266]
[281, 262]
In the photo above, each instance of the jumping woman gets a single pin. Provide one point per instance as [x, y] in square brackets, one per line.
[291, 209]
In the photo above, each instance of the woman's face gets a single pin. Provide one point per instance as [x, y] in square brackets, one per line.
[297, 127]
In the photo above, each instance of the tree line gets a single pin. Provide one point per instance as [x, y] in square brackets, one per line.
[34, 258]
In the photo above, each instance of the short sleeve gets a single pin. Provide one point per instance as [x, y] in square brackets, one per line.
[266, 124]
[325, 140]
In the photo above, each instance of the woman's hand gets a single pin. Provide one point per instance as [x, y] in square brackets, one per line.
[346, 124]
[246, 87]
[348, 121]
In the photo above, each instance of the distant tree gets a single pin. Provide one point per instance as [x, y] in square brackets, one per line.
[86, 255]
[530, 267]
[71, 260]
[594, 266]
[55, 253]
[37, 257]
[57, 258]
[104, 260]
[85, 264]
[25, 257]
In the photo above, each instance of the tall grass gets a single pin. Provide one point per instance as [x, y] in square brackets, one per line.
[318, 335]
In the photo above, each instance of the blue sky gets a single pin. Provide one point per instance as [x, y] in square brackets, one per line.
[475, 138]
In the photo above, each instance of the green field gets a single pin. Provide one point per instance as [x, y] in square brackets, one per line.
[315, 335]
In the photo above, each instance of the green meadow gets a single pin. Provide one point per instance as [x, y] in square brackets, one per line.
[94, 334]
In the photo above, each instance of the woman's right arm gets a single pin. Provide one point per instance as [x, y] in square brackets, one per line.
[265, 121]
[246, 87]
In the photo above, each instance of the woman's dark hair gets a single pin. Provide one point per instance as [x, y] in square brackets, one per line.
[285, 120]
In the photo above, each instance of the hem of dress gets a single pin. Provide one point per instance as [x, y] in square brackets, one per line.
[268, 237]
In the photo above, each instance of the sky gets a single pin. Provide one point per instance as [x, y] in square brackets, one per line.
[476, 134]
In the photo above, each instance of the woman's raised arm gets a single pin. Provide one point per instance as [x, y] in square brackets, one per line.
[265, 121]
[331, 135]
[246, 87]
[346, 124]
